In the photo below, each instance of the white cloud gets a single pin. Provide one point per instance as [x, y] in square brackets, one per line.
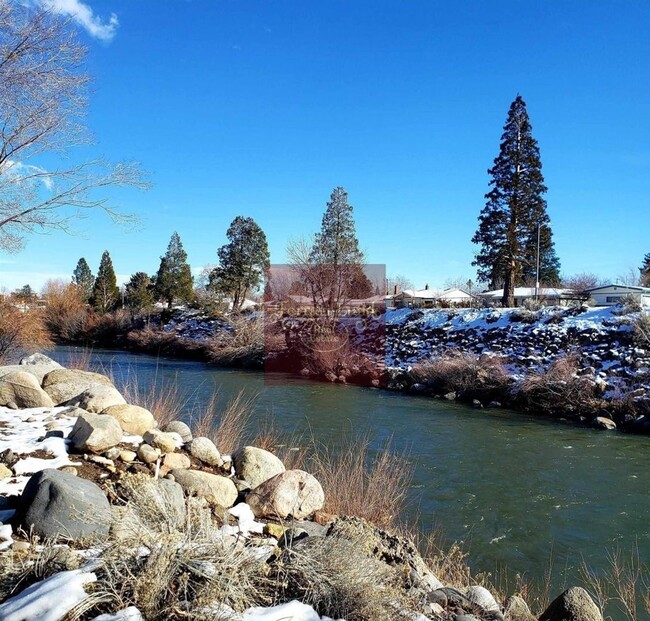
[25, 173]
[84, 16]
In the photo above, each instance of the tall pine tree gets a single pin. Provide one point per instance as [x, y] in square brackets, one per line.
[83, 279]
[174, 278]
[242, 262]
[105, 291]
[645, 271]
[515, 209]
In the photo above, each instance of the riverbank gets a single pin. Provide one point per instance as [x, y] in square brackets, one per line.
[586, 364]
[294, 555]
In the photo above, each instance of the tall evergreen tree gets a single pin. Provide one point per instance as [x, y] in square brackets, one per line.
[645, 271]
[242, 262]
[83, 278]
[139, 292]
[515, 208]
[174, 278]
[105, 290]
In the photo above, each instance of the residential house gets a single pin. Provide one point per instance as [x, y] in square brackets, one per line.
[549, 296]
[610, 295]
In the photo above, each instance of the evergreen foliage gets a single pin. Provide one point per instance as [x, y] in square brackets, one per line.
[174, 278]
[515, 208]
[83, 279]
[645, 271]
[105, 293]
[139, 292]
[242, 262]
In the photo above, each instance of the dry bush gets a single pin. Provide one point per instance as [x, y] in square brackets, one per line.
[623, 588]
[558, 387]
[162, 399]
[242, 344]
[524, 315]
[464, 373]
[340, 580]
[21, 332]
[641, 329]
[159, 557]
[107, 328]
[228, 429]
[356, 484]
[67, 315]
[158, 343]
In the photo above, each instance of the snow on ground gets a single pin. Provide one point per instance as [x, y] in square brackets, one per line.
[23, 431]
[50, 599]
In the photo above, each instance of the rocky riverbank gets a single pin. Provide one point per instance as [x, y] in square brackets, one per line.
[107, 516]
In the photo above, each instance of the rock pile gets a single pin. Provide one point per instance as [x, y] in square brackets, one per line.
[82, 453]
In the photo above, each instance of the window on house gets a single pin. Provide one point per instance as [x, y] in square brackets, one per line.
[613, 299]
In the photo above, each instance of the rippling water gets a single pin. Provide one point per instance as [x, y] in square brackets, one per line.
[520, 491]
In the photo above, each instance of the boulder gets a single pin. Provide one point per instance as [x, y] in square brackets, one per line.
[166, 442]
[148, 454]
[256, 465]
[292, 493]
[205, 450]
[516, 609]
[220, 492]
[179, 427]
[58, 504]
[133, 419]
[174, 461]
[66, 384]
[602, 422]
[97, 398]
[482, 597]
[39, 365]
[21, 389]
[574, 604]
[95, 433]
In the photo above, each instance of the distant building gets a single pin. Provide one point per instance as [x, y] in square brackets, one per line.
[610, 295]
[549, 296]
[431, 298]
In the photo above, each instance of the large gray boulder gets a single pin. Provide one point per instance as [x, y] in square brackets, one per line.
[95, 433]
[97, 398]
[181, 428]
[58, 504]
[292, 493]
[133, 419]
[205, 450]
[255, 465]
[39, 365]
[66, 384]
[516, 609]
[220, 492]
[482, 597]
[574, 604]
[20, 389]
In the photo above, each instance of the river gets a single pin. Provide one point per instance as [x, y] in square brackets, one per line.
[519, 491]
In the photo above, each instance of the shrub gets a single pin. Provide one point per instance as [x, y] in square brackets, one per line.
[464, 373]
[641, 329]
[558, 387]
[21, 332]
[523, 315]
[66, 314]
[240, 345]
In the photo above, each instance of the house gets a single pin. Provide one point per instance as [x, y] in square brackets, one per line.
[430, 298]
[610, 295]
[549, 296]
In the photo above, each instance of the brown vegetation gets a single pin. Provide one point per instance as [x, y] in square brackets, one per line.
[241, 345]
[21, 331]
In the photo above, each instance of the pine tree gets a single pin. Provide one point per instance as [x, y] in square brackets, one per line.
[515, 208]
[242, 262]
[174, 278]
[83, 279]
[105, 291]
[139, 292]
[645, 271]
[335, 259]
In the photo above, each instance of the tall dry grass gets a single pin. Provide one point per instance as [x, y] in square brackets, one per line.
[21, 331]
[242, 345]
[356, 483]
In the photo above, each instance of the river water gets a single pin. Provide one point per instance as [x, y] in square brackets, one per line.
[519, 491]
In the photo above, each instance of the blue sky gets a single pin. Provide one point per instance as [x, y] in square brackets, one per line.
[261, 108]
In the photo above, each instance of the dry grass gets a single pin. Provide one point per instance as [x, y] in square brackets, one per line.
[623, 588]
[558, 388]
[641, 329]
[242, 345]
[80, 359]
[356, 484]
[21, 332]
[464, 373]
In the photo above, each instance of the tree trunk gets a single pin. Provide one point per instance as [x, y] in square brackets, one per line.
[508, 299]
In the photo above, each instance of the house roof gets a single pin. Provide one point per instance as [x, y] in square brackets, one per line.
[529, 292]
[634, 288]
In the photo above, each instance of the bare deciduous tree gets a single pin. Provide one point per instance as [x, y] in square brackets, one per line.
[43, 87]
